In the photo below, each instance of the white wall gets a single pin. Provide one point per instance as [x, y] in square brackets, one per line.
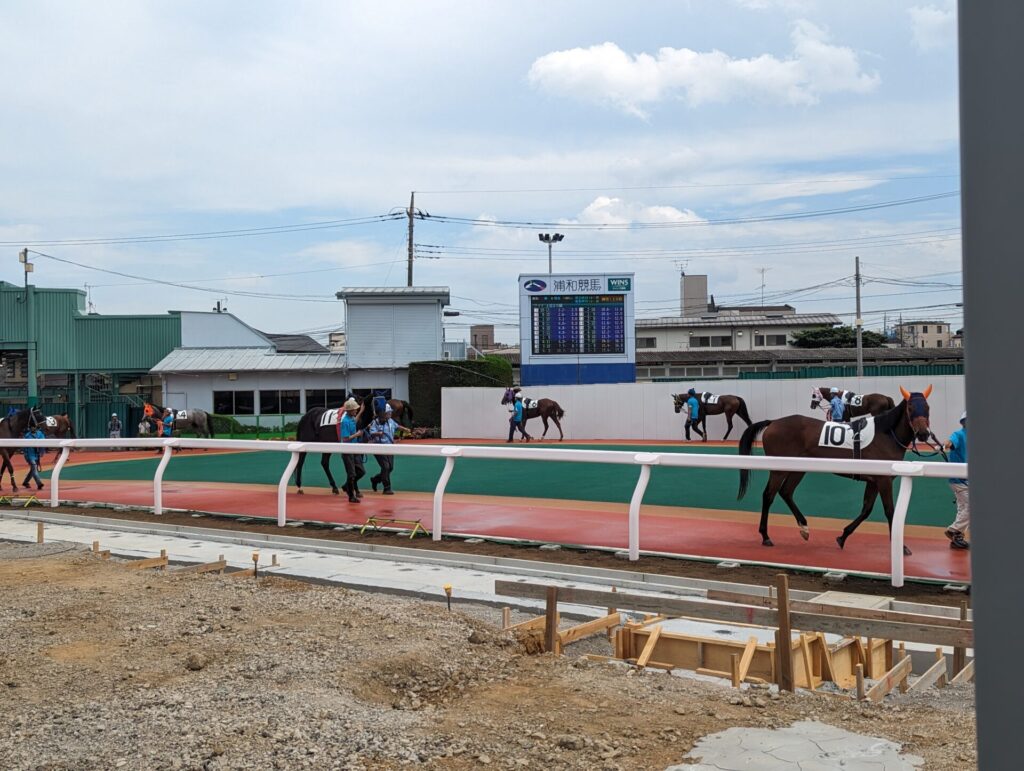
[392, 334]
[218, 330]
[645, 411]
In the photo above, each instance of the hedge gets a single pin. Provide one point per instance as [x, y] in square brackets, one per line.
[427, 378]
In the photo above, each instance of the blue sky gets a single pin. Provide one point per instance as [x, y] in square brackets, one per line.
[126, 119]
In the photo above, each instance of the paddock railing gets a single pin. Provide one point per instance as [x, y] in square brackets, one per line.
[906, 471]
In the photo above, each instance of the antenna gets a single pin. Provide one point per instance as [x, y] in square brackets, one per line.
[89, 307]
[682, 265]
[762, 271]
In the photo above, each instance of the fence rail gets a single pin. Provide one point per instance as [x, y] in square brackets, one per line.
[904, 470]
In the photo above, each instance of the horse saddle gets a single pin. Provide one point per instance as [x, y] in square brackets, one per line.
[853, 436]
[709, 398]
[330, 418]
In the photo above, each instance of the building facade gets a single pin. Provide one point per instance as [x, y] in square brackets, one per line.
[924, 334]
[727, 330]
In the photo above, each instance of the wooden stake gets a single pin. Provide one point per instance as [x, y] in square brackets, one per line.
[965, 675]
[940, 681]
[960, 654]
[861, 694]
[95, 547]
[551, 621]
[936, 674]
[747, 657]
[735, 661]
[903, 683]
[611, 629]
[273, 560]
[39, 532]
[805, 649]
[506, 618]
[783, 647]
[652, 640]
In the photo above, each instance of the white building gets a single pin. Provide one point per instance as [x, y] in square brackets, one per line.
[925, 334]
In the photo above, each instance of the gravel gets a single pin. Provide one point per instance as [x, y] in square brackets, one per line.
[109, 668]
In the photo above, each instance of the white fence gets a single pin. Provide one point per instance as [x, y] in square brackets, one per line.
[645, 460]
[644, 411]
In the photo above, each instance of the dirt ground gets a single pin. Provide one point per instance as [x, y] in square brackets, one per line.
[106, 667]
[932, 594]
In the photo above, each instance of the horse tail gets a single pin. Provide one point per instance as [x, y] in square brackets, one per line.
[742, 411]
[746, 448]
[559, 412]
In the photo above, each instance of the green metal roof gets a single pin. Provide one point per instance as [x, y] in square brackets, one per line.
[68, 339]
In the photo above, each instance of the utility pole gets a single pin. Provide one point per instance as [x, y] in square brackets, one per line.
[858, 321]
[411, 212]
[30, 328]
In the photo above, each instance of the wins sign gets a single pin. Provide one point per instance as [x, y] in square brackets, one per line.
[620, 284]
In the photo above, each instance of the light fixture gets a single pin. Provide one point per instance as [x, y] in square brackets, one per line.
[549, 239]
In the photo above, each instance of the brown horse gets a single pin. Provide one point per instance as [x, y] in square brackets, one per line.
[797, 436]
[14, 426]
[727, 405]
[400, 410]
[545, 409]
[856, 404]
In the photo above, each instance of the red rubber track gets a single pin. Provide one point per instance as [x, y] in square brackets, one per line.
[719, 535]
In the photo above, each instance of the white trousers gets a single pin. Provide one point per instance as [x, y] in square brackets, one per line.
[963, 508]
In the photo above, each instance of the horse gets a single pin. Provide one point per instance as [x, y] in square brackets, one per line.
[856, 404]
[322, 424]
[195, 420]
[894, 431]
[726, 404]
[14, 427]
[401, 409]
[545, 409]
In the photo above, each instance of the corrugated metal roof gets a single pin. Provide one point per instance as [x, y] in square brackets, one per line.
[740, 320]
[247, 360]
[441, 293]
[295, 343]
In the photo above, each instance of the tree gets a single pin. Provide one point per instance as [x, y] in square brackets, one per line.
[837, 337]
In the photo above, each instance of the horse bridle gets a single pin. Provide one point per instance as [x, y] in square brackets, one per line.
[913, 442]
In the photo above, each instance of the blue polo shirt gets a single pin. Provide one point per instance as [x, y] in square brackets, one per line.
[519, 411]
[383, 431]
[694, 407]
[958, 452]
[347, 428]
[838, 408]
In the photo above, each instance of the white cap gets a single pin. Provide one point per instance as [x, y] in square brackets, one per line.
[963, 417]
[113, 414]
[834, 391]
[387, 408]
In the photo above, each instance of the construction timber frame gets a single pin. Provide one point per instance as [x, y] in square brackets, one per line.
[797, 659]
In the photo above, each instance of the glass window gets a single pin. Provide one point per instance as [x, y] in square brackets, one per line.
[924, 328]
[335, 397]
[289, 402]
[315, 398]
[270, 402]
[646, 342]
[938, 344]
[245, 403]
[758, 339]
[224, 402]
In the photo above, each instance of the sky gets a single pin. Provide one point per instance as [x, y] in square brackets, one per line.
[167, 155]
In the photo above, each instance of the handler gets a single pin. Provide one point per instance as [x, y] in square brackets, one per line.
[957, 448]
[838, 408]
[516, 420]
[693, 414]
[382, 431]
[348, 432]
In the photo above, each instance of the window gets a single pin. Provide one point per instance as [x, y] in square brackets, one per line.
[319, 397]
[290, 401]
[234, 402]
[270, 402]
[938, 343]
[646, 342]
[315, 398]
[922, 343]
[713, 341]
[762, 340]
[924, 328]
[938, 328]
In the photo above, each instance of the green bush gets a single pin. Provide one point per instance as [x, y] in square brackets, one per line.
[427, 378]
[225, 424]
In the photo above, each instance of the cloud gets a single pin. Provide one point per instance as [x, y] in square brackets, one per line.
[605, 74]
[933, 28]
[607, 210]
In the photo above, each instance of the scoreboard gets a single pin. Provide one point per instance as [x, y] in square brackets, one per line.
[574, 324]
[576, 328]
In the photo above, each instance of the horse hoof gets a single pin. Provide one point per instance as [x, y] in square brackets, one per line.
[906, 552]
[841, 541]
[766, 542]
[300, 491]
[334, 491]
[805, 533]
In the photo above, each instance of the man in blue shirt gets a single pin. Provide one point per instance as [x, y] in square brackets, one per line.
[33, 456]
[348, 432]
[382, 431]
[957, 449]
[838, 409]
[693, 414]
[516, 420]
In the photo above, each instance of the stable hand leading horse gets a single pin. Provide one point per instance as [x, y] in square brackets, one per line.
[726, 404]
[198, 421]
[544, 409]
[798, 436]
[855, 404]
[14, 427]
[320, 424]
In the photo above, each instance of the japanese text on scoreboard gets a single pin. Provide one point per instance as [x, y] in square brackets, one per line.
[576, 318]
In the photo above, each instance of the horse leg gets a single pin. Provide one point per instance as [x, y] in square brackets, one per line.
[325, 461]
[728, 421]
[786, 493]
[870, 494]
[704, 425]
[885, 488]
[298, 471]
[544, 420]
[558, 425]
[775, 481]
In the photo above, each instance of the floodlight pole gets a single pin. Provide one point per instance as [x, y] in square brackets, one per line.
[550, 239]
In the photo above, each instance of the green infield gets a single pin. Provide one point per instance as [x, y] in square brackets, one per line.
[819, 495]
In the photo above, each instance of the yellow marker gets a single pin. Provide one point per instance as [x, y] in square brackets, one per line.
[448, 594]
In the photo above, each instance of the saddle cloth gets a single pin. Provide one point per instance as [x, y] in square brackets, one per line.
[848, 436]
[530, 404]
[854, 400]
[181, 415]
[709, 398]
[330, 418]
[51, 421]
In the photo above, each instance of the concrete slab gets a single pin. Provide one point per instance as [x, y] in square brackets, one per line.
[805, 745]
[853, 600]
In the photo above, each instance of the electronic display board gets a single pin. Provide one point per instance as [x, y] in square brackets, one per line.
[576, 328]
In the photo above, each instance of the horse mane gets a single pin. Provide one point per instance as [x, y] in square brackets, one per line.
[889, 419]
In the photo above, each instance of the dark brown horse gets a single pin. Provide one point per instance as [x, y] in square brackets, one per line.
[545, 409]
[400, 411]
[797, 436]
[14, 426]
[320, 424]
[726, 404]
[855, 404]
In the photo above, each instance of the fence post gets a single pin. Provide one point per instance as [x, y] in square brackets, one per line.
[906, 472]
[158, 479]
[449, 454]
[646, 459]
[282, 486]
[65, 450]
